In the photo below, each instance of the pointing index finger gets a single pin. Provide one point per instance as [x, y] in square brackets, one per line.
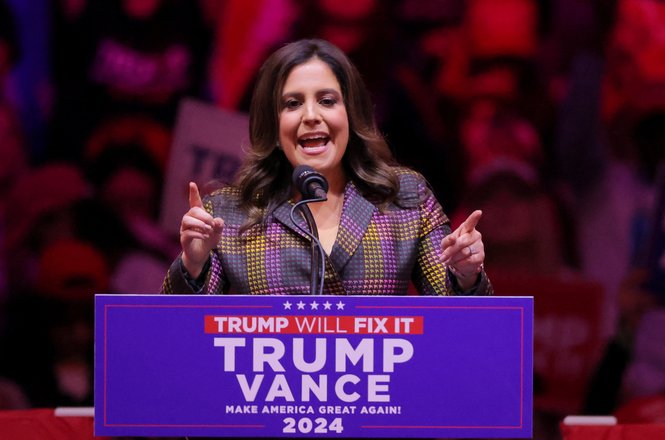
[194, 196]
[471, 221]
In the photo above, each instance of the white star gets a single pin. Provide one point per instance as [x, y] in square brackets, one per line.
[314, 305]
[301, 305]
[340, 305]
[326, 305]
[287, 305]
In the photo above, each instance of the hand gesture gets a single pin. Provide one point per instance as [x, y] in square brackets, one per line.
[199, 233]
[464, 252]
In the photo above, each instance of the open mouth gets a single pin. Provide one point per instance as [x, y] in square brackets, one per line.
[313, 142]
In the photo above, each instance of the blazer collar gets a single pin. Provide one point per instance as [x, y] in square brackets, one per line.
[356, 216]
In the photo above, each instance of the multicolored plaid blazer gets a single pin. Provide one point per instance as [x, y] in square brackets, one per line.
[375, 252]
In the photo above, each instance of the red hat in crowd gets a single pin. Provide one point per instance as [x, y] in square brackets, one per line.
[142, 131]
[72, 270]
[40, 192]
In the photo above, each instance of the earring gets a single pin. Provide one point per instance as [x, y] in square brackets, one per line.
[278, 145]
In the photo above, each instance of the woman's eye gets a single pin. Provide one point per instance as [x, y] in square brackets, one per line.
[328, 102]
[291, 104]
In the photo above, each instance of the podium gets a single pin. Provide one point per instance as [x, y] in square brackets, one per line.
[313, 366]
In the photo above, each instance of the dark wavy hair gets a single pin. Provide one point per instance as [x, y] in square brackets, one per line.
[264, 180]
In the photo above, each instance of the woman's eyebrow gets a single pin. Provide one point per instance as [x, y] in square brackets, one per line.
[324, 91]
[318, 92]
[291, 94]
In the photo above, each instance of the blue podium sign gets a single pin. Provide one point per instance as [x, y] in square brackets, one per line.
[313, 366]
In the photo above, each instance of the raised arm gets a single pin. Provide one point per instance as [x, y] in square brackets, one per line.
[199, 233]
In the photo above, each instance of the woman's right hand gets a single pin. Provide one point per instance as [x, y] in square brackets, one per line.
[199, 233]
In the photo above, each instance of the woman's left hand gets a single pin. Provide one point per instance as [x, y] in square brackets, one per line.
[464, 252]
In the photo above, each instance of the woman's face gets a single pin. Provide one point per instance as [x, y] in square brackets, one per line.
[313, 123]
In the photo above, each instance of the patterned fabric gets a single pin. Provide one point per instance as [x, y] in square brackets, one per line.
[375, 252]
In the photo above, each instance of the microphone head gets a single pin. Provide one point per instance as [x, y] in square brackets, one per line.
[307, 180]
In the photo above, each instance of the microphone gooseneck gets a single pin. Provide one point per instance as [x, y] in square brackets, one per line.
[313, 187]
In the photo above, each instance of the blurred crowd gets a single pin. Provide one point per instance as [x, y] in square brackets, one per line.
[549, 115]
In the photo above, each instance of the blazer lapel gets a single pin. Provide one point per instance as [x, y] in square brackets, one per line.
[356, 216]
[333, 281]
[283, 214]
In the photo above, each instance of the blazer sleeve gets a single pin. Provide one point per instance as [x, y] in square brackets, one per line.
[210, 282]
[431, 276]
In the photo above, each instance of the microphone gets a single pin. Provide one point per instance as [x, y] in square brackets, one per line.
[313, 187]
[310, 183]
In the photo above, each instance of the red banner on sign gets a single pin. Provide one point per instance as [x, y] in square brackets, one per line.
[353, 325]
